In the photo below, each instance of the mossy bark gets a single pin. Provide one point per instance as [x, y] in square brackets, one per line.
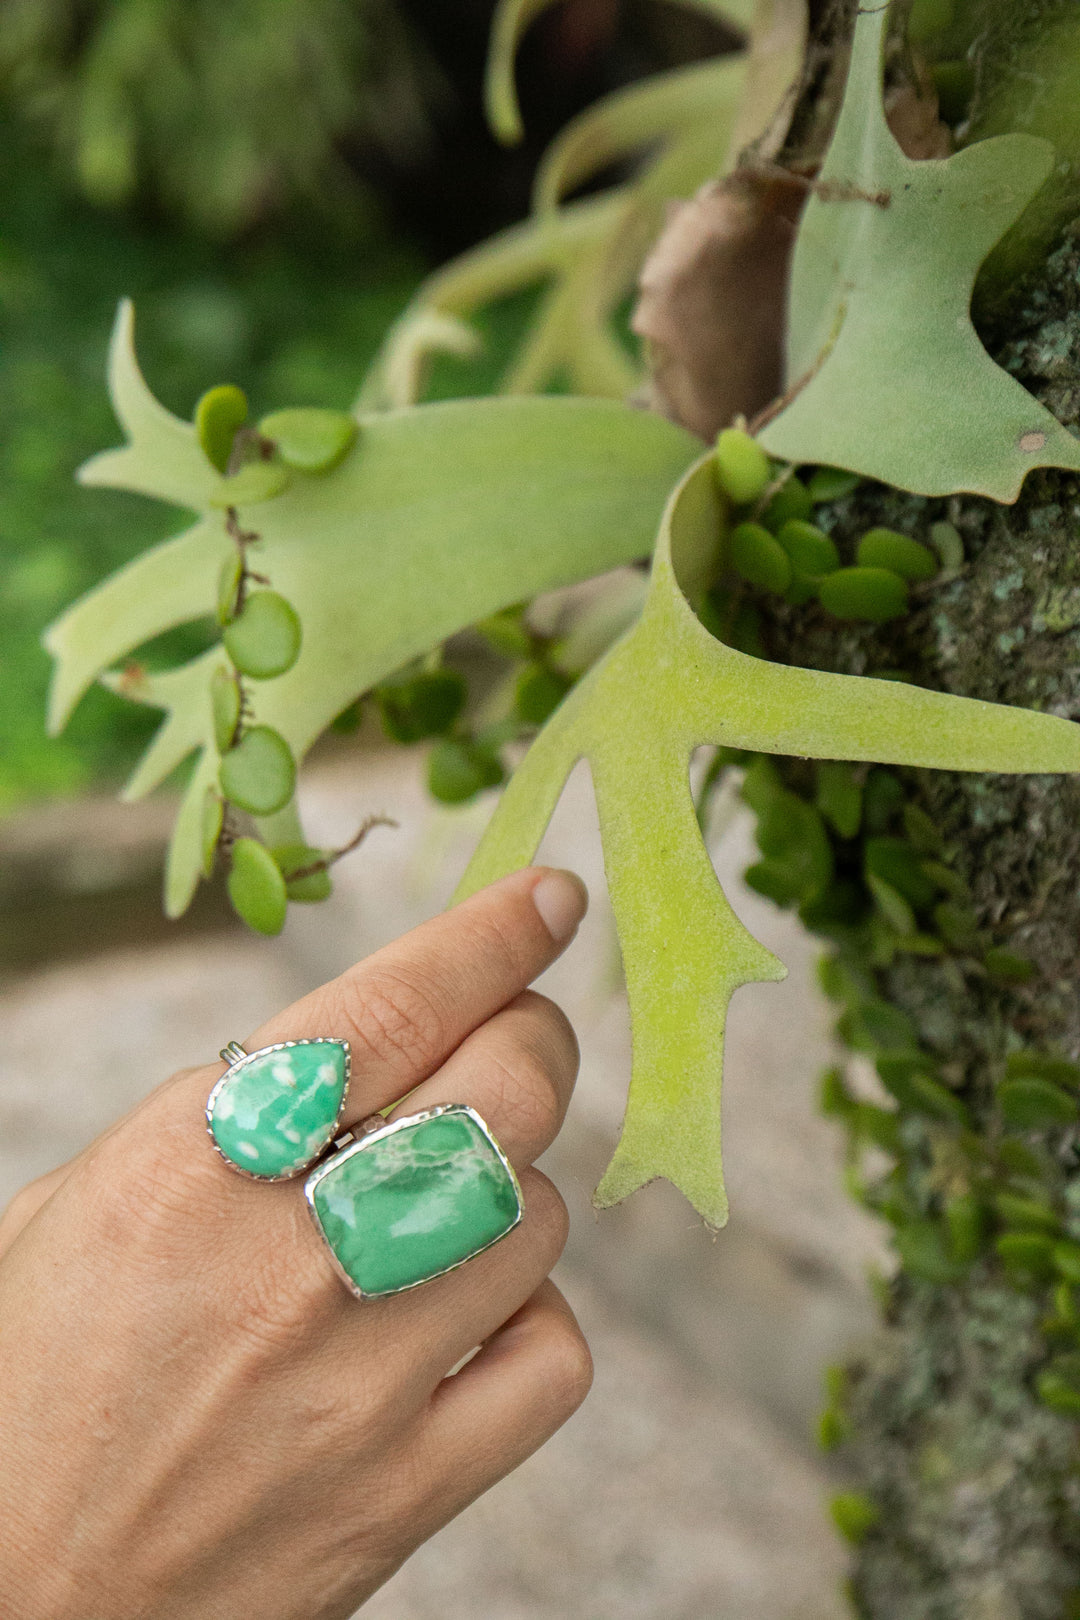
[976, 1479]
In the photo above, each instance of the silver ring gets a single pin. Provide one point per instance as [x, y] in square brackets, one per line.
[274, 1112]
[412, 1199]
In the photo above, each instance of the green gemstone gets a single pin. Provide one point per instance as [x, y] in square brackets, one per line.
[276, 1110]
[399, 1207]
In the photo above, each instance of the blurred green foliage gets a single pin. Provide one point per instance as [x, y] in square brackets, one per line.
[219, 114]
[294, 320]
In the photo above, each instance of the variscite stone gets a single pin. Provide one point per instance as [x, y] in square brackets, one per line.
[402, 1206]
[275, 1111]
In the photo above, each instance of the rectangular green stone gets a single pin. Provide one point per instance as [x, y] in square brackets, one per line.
[406, 1203]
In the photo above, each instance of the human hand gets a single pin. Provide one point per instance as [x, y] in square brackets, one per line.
[197, 1420]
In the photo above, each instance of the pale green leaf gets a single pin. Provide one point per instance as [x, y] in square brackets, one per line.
[664, 689]
[440, 515]
[513, 17]
[629, 120]
[888, 374]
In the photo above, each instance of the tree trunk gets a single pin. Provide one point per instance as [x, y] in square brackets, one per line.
[965, 1449]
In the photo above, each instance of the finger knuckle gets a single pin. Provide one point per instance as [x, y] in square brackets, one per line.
[569, 1366]
[552, 1034]
[282, 1307]
[397, 1020]
[547, 1218]
[526, 1099]
[148, 1183]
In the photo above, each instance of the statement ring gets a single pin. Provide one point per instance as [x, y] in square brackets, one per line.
[274, 1111]
[404, 1201]
[412, 1199]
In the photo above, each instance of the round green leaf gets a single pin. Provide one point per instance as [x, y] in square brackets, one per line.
[213, 816]
[225, 702]
[759, 558]
[1031, 1104]
[292, 858]
[884, 548]
[218, 414]
[1025, 1214]
[424, 705]
[742, 465]
[257, 481]
[264, 638]
[1044, 1064]
[1028, 1256]
[892, 905]
[964, 1218]
[538, 694]
[854, 1516]
[507, 633]
[929, 1096]
[1058, 1393]
[897, 863]
[945, 538]
[256, 887]
[811, 550]
[458, 770]
[839, 796]
[1008, 967]
[259, 773]
[831, 483]
[229, 577]
[875, 594]
[926, 1250]
[1067, 1260]
[309, 439]
[792, 500]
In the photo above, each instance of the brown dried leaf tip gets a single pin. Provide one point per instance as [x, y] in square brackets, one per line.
[711, 305]
[713, 291]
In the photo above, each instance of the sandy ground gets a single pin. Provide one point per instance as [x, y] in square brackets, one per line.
[687, 1487]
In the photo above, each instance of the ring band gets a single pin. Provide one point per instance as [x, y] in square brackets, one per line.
[406, 1201]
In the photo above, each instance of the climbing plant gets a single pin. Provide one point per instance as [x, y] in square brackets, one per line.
[339, 554]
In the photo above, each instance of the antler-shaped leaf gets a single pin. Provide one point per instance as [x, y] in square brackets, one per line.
[667, 687]
[439, 516]
[889, 376]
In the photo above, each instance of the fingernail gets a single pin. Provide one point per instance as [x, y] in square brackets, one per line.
[561, 899]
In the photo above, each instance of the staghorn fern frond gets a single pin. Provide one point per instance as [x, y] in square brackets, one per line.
[886, 373]
[440, 515]
[638, 716]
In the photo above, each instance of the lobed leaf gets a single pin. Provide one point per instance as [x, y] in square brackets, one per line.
[438, 516]
[888, 375]
[664, 689]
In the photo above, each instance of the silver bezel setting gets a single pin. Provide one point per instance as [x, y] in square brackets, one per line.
[389, 1129]
[279, 1046]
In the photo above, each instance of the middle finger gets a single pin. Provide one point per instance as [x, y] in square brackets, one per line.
[517, 1071]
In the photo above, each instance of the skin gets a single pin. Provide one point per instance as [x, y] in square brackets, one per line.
[197, 1420]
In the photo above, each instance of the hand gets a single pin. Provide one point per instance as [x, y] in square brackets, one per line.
[197, 1420]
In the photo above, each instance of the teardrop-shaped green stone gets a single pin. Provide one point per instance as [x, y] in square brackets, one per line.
[276, 1110]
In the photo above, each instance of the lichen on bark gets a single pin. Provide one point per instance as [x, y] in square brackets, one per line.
[976, 1479]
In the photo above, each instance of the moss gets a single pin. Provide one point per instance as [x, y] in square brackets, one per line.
[975, 1475]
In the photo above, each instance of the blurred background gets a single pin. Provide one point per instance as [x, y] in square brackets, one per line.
[270, 181]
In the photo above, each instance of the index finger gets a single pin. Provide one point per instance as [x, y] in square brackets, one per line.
[404, 1009]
